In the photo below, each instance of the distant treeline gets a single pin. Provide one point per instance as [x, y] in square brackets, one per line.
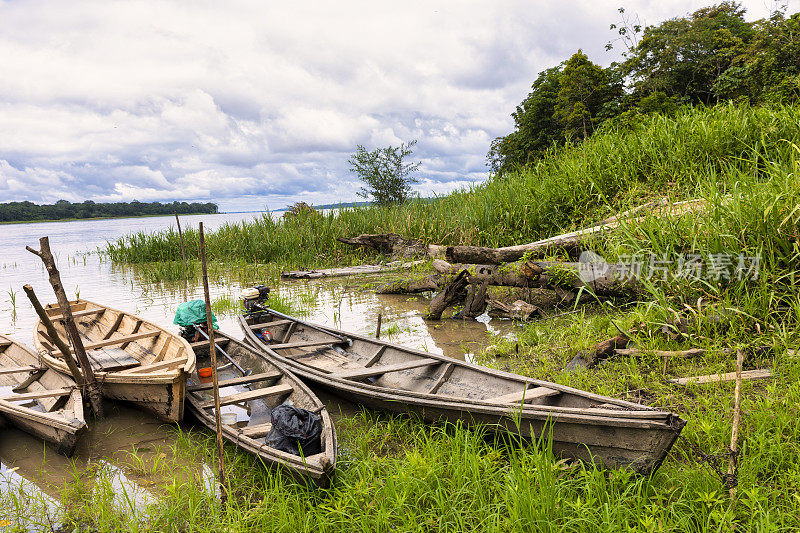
[28, 211]
[710, 57]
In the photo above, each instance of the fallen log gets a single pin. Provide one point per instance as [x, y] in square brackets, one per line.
[763, 373]
[601, 351]
[475, 302]
[453, 293]
[395, 245]
[519, 310]
[348, 271]
[412, 285]
[569, 242]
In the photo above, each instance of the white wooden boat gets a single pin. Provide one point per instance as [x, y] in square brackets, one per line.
[134, 360]
[585, 426]
[251, 398]
[38, 399]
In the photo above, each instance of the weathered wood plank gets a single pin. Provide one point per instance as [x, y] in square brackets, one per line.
[446, 373]
[288, 345]
[362, 373]
[266, 392]
[164, 365]
[254, 378]
[36, 395]
[762, 373]
[256, 431]
[76, 314]
[526, 395]
[123, 340]
[18, 369]
[280, 322]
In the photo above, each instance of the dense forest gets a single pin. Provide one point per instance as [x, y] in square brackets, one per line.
[28, 211]
[709, 57]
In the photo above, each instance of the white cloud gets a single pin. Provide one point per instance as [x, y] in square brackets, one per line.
[261, 103]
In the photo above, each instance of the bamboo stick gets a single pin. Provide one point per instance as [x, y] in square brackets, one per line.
[737, 413]
[214, 376]
[180, 234]
[92, 388]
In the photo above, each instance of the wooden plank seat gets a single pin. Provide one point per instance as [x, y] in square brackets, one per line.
[76, 314]
[253, 378]
[203, 343]
[110, 359]
[363, 373]
[256, 431]
[274, 323]
[110, 342]
[36, 395]
[306, 344]
[266, 392]
[525, 394]
[18, 369]
[156, 367]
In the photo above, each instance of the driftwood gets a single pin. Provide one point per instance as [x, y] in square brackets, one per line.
[453, 293]
[763, 373]
[519, 310]
[568, 242]
[397, 246]
[411, 285]
[604, 279]
[92, 388]
[475, 302]
[601, 351]
[347, 271]
[56, 338]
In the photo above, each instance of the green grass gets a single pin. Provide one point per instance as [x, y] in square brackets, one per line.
[399, 474]
[570, 187]
[396, 474]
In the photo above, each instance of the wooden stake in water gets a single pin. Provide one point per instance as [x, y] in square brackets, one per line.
[92, 388]
[378, 330]
[213, 351]
[180, 234]
[737, 413]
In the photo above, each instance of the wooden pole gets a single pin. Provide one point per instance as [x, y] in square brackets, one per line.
[92, 388]
[737, 413]
[180, 234]
[213, 351]
[56, 338]
[378, 330]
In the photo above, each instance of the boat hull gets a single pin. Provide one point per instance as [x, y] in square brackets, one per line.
[625, 435]
[317, 469]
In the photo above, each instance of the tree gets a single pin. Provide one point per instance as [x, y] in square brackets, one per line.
[387, 176]
[584, 89]
[684, 57]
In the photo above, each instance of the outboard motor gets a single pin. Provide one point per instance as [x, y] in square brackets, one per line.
[252, 297]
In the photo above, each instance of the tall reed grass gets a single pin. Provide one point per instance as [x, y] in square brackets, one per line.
[570, 187]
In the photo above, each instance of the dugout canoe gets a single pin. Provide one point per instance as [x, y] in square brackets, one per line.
[133, 359]
[251, 398]
[584, 426]
[38, 399]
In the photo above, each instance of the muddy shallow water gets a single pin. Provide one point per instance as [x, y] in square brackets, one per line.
[28, 466]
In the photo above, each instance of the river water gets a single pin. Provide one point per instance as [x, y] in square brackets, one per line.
[28, 467]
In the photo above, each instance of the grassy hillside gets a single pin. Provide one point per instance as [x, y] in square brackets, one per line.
[570, 187]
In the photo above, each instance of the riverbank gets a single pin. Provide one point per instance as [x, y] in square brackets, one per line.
[400, 474]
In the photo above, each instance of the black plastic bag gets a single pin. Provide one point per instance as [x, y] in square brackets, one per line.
[294, 429]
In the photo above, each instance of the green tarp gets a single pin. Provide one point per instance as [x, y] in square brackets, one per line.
[191, 313]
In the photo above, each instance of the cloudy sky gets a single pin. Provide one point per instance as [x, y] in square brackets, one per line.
[260, 104]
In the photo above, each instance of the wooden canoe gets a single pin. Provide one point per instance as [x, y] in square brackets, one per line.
[589, 427]
[38, 399]
[251, 398]
[134, 360]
